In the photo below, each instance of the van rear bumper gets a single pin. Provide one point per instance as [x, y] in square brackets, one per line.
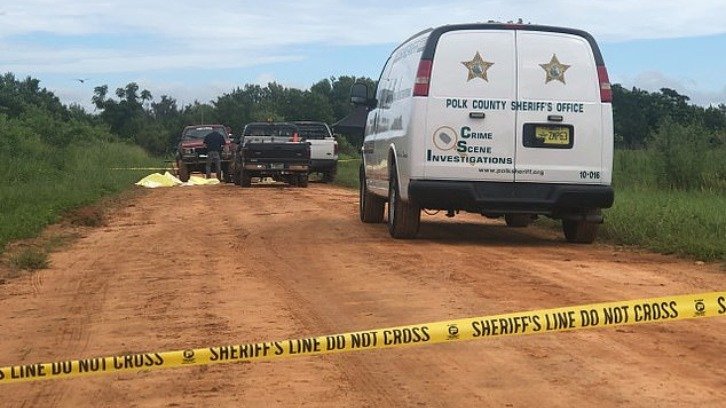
[495, 197]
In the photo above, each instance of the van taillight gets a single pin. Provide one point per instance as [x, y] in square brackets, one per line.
[606, 92]
[423, 77]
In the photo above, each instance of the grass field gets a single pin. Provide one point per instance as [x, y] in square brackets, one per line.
[687, 223]
[347, 175]
[40, 183]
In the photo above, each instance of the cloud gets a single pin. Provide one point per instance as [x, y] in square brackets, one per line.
[653, 81]
[186, 33]
[91, 38]
[264, 79]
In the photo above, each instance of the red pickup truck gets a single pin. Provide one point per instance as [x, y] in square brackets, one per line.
[191, 155]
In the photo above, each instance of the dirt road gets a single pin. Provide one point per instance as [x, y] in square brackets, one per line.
[216, 265]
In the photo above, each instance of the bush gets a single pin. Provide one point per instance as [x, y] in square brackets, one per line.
[681, 151]
[30, 259]
[42, 181]
[346, 147]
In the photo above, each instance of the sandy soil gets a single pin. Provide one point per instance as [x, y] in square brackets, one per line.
[217, 265]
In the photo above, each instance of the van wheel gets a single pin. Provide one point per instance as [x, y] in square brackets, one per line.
[518, 220]
[371, 207]
[580, 232]
[403, 217]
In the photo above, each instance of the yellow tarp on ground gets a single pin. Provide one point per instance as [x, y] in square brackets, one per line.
[168, 180]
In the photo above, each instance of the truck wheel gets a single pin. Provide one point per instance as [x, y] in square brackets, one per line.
[236, 177]
[302, 180]
[580, 231]
[183, 172]
[518, 220]
[371, 207]
[329, 175]
[403, 217]
[226, 175]
[245, 179]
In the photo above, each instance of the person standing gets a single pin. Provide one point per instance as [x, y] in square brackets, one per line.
[214, 142]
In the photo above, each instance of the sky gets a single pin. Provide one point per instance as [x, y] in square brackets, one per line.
[193, 50]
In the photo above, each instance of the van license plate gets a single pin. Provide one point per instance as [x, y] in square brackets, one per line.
[549, 135]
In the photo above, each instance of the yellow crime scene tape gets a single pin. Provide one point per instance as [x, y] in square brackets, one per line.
[141, 168]
[599, 315]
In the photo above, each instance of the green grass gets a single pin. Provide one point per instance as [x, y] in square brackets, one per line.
[649, 214]
[347, 175]
[40, 182]
[643, 169]
[687, 223]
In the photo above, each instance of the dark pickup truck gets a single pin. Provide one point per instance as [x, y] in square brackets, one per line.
[271, 150]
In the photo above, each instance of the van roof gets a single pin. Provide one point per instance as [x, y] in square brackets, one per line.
[436, 33]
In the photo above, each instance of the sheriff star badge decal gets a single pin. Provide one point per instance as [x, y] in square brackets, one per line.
[555, 70]
[477, 67]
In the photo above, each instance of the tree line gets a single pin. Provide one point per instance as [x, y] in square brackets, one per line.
[133, 114]
[156, 125]
[639, 114]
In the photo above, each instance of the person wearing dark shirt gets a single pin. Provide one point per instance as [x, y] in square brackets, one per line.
[214, 142]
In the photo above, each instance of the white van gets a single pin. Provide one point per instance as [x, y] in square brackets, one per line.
[504, 120]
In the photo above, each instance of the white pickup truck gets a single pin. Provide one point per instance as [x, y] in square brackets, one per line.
[323, 148]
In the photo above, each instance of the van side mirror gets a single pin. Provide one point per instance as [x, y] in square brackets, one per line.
[359, 95]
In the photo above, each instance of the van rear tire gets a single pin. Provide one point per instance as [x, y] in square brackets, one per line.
[404, 218]
[371, 207]
[580, 231]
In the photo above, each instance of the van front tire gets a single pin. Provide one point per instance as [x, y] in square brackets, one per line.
[580, 231]
[404, 218]
[371, 207]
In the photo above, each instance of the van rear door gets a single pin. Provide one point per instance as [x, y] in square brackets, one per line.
[559, 112]
[470, 125]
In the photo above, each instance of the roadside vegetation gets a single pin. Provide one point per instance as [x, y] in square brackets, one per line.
[53, 159]
[671, 197]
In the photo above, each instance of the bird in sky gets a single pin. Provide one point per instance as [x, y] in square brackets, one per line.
[82, 80]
